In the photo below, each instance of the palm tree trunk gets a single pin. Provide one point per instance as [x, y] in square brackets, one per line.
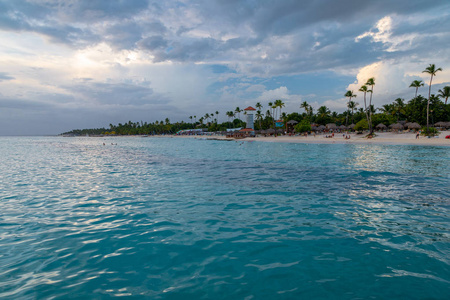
[428, 103]
[370, 112]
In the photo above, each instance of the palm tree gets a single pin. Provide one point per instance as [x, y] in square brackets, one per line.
[258, 105]
[370, 82]
[431, 69]
[365, 90]
[238, 111]
[305, 106]
[416, 84]
[444, 93]
[259, 117]
[352, 105]
[195, 119]
[217, 114]
[350, 95]
[280, 104]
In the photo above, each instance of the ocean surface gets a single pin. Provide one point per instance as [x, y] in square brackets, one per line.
[173, 218]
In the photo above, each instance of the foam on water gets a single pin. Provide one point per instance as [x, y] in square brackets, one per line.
[166, 218]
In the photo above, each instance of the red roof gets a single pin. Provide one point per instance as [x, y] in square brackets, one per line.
[249, 108]
[246, 129]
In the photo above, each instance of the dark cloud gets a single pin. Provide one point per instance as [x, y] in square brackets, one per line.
[129, 24]
[4, 76]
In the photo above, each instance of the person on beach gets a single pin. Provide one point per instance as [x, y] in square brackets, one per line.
[417, 136]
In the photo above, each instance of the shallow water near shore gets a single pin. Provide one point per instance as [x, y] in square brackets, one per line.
[167, 218]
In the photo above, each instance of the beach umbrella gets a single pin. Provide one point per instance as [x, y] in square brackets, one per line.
[442, 124]
[270, 131]
[397, 126]
[381, 126]
[406, 125]
[321, 127]
[351, 126]
[414, 126]
[331, 125]
[292, 122]
[343, 127]
[280, 131]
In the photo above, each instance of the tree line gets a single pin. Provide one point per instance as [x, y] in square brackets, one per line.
[424, 111]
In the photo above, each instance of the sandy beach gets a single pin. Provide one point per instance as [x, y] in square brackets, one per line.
[386, 138]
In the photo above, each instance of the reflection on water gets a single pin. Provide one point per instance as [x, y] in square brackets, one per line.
[171, 218]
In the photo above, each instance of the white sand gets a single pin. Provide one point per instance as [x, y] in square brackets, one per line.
[386, 138]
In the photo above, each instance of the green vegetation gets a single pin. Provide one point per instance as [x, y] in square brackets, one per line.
[361, 125]
[417, 109]
[303, 126]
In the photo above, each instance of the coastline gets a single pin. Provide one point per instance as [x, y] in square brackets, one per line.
[382, 138]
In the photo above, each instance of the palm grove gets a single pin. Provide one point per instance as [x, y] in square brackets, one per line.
[425, 111]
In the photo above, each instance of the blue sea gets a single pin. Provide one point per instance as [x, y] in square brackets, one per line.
[174, 218]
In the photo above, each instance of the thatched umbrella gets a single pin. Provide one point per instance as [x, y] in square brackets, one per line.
[321, 128]
[442, 124]
[331, 126]
[397, 126]
[381, 126]
[413, 126]
[406, 125]
[292, 122]
[280, 131]
[270, 131]
[343, 127]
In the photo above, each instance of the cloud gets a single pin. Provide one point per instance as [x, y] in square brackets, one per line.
[173, 58]
[4, 76]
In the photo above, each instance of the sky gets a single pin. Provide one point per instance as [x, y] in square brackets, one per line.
[68, 64]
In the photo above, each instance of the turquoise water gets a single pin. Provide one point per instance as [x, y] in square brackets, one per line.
[168, 218]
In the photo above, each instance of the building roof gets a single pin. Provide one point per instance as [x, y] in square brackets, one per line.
[246, 129]
[249, 108]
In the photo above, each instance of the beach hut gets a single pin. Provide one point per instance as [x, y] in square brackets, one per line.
[331, 126]
[413, 126]
[442, 124]
[396, 127]
[270, 131]
[381, 126]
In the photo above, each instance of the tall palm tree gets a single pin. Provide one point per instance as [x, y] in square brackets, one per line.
[352, 105]
[305, 106]
[217, 114]
[195, 119]
[431, 69]
[258, 106]
[416, 84]
[365, 90]
[238, 111]
[350, 95]
[271, 107]
[370, 82]
[259, 117]
[444, 93]
[280, 104]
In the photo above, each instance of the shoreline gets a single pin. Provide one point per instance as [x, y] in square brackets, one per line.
[382, 138]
